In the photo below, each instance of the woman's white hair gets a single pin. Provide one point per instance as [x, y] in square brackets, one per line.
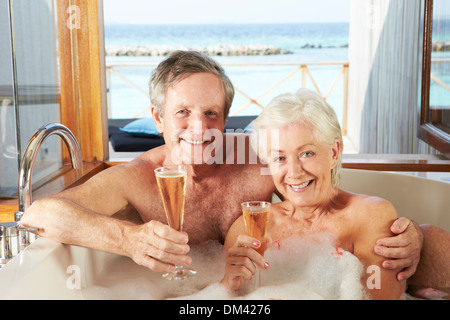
[305, 107]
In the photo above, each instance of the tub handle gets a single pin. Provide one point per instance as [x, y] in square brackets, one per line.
[19, 227]
[17, 216]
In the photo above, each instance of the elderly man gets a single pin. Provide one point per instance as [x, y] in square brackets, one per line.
[191, 98]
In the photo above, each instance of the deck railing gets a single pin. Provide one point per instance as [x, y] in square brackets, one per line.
[437, 80]
[298, 67]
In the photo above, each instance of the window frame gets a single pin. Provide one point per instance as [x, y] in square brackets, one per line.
[90, 124]
[94, 119]
[84, 107]
[427, 132]
[83, 103]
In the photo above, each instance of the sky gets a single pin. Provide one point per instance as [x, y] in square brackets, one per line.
[225, 11]
[441, 9]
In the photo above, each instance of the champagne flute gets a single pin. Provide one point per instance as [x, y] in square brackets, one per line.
[256, 220]
[172, 187]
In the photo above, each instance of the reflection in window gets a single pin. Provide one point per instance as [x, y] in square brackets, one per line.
[440, 67]
[29, 87]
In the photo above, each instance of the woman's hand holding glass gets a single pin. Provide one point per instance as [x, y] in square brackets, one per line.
[243, 261]
[246, 256]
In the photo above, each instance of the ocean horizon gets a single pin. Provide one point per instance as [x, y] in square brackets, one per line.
[289, 36]
[306, 42]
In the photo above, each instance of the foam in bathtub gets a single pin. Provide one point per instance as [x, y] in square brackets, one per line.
[304, 268]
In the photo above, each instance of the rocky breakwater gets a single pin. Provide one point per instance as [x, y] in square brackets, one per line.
[213, 50]
[440, 46]
[312, 46]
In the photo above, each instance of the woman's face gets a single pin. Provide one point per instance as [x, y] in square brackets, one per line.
[301, 165]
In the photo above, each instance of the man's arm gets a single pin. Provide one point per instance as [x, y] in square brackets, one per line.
[402, 250]
[83, 216]
[434, 267]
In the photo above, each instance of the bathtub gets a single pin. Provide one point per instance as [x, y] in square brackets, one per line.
[426, 201]
[51, 270]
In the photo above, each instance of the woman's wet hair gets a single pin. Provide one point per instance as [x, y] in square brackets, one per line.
[304, 107]
[179, 65]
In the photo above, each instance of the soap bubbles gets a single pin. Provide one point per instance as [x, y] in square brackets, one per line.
[304, 268]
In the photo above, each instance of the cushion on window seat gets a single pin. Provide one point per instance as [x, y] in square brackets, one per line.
[123, 141]
[142, 127]
[135, 135]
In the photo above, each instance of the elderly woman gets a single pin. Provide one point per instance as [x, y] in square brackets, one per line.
[304, 152]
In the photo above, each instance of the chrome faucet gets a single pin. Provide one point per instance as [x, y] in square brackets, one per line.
[26, 169]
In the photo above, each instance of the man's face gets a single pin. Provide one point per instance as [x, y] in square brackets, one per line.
[193, 119]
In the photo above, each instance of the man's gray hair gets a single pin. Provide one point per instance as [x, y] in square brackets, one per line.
[179, 65]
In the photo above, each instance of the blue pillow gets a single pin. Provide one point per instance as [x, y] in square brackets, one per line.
[143, 127]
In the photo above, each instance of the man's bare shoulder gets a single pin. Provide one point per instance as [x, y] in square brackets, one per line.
[150, 159]
[128, 174]
[123, 182]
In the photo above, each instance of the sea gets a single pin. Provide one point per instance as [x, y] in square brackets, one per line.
[440, 66]
[253, 76]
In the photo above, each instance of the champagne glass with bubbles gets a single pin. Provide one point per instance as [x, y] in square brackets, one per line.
[256, 220]
[172, 187]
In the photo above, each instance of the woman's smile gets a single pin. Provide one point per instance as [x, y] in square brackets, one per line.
[301, 187]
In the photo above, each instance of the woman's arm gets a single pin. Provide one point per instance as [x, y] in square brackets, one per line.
[374, 220]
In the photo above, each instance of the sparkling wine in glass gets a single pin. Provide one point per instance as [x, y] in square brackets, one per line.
[256, 219]
[172, 187]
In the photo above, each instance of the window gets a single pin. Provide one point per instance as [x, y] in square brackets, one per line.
[51, 71]
[435, 95]
[29, 88]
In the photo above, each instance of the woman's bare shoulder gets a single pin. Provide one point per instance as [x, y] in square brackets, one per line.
[372, 218]
[372, 207]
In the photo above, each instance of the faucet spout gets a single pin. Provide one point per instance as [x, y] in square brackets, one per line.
[27, 162]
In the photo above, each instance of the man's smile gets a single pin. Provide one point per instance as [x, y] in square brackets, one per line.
[196, 142]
